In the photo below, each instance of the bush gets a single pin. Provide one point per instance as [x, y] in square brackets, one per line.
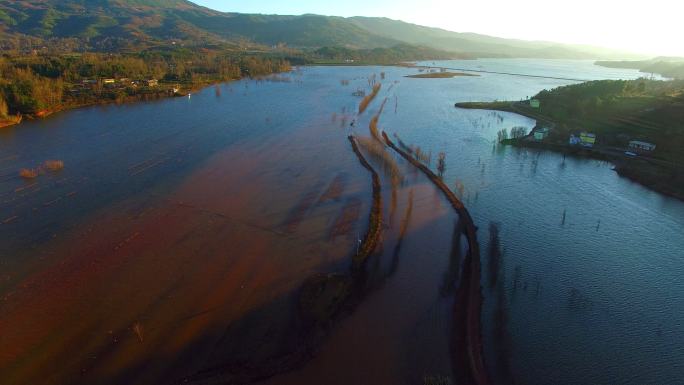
[4, 111]
[369, 98]
[518, 132]
[502, 135]
[28, 173]
[54, 165]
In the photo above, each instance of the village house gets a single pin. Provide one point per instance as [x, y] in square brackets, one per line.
[641, 147]
[587, 139]
[541, 134]
[574, 140]
[152, 83]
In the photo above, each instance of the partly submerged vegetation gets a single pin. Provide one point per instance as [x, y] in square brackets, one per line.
[47, 166]
[369, 98]
[617, 112]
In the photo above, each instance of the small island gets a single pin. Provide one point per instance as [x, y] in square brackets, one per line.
[636, 124]
[439, 75]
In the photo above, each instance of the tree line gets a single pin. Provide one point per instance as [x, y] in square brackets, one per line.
[31, 84]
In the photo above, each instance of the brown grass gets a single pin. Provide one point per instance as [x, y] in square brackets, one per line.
[138, 331]
[373, 126]
[28, 173]
[369, 98]
[54, 165]
[378, 152]
[422, 156]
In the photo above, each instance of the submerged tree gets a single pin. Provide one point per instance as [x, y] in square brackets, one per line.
[502, 135]
[518, 132]
[441, 164]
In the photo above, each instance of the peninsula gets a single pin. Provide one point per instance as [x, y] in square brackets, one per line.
[636, 124]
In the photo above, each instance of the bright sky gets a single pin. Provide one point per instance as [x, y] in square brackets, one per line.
[653, 27]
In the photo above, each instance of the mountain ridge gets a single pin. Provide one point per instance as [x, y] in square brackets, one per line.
[126, 22]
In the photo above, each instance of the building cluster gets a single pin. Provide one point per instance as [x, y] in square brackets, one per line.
[585, 139]
[640, 147]
[535, 103]
[126, 82]
[88, 85]
[541, 133]
[588, 139]
[635, 147]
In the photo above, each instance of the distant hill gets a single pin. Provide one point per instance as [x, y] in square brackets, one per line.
[126, 24]
[156, 21]
[669, 67]
[482, 45]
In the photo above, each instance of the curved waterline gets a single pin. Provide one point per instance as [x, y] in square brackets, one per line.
[472, 290]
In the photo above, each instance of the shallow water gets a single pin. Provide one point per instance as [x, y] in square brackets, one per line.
[233, 185]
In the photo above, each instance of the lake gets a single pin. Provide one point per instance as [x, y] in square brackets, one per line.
[174, 243]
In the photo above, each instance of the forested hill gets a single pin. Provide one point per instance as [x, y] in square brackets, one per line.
[107, 25]
[669, 67]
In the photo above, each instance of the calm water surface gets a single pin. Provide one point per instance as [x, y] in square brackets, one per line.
[594, 298]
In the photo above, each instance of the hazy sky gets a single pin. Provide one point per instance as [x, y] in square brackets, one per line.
[653, 27]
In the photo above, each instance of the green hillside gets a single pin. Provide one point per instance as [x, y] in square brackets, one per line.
[96, 21]
[125, 24]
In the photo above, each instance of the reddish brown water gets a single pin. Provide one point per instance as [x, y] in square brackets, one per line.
[204, 273]
[184, 266]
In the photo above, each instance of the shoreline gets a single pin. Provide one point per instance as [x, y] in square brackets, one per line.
[162, 93]
[11, 121]
[651, 173]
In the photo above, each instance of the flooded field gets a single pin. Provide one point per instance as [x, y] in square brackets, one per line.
[175, 244]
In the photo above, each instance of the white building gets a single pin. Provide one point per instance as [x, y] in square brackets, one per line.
[637, 145]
